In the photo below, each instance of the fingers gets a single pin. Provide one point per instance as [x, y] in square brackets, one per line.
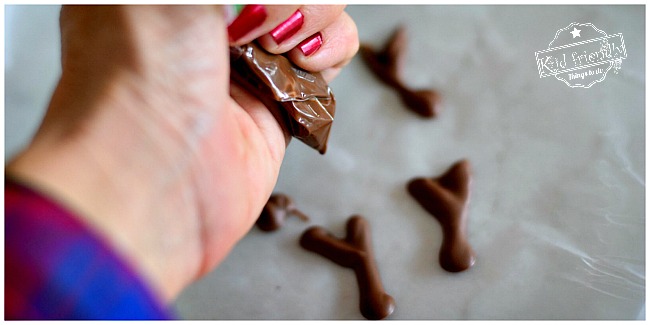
[339, 44]
[315, 37]
[303, 23]
[256, 20]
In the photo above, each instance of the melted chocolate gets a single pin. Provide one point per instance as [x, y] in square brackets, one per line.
[387, 66]
[355, 252]
[447, 198]
[301, 101]
[276, 211]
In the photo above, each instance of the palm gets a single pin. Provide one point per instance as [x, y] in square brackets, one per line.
[234, 174]
[233, 149]
[221, 156]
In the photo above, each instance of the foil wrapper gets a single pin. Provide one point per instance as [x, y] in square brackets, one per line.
[300, 100]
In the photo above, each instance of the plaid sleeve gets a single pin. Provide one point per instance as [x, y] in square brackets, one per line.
[57, 268]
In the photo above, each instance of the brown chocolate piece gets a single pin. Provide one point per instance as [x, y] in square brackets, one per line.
[276, 210]
[355, 252]
[387, 66]
[447, 198]
[301, 101]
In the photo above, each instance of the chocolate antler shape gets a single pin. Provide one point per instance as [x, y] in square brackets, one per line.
[387, 65]
[276, 210]
[355, 252]
[446, 198]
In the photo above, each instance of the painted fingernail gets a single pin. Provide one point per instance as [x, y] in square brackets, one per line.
[288, 27]
[311, 44]
[249, 18]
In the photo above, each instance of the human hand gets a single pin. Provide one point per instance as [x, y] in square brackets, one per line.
[149, 143]
[296, 31]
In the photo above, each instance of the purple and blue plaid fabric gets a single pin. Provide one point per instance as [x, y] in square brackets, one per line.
[57, 268]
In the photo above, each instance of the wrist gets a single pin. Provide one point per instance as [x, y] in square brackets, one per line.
[114, 173]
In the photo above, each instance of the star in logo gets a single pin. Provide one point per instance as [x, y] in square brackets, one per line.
[575, 32]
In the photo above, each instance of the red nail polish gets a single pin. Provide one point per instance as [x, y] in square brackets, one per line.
[288, 27]
[249, 18]
[311, 44]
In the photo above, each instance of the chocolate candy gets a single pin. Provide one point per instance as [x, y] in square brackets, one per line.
[276, 211]
[387, 66]
[301, 101]
[355, 252]
[446, 198]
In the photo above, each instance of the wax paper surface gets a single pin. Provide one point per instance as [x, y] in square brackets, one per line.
[557, 208]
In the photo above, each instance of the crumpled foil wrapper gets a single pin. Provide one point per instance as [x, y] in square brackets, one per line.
[301, 101]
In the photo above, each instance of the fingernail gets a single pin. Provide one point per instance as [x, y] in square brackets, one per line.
[249, 18]
[288, 27]
[311, 44]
